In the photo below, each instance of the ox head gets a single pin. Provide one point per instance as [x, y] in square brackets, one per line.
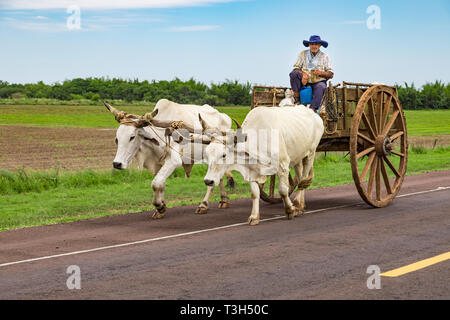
[220, 154]
[130, 135]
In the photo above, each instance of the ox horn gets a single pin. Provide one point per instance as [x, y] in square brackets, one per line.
[149, 116]
[203, 122]
[119, 115]
[205, 127]
[111, 108]
[238, 125]
[146, 119]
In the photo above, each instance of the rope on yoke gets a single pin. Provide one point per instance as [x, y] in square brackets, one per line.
[166, 140]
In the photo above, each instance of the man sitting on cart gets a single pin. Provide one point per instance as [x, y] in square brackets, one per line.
[312, 68]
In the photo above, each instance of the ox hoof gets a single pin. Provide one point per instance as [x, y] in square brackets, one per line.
[253, 222]
[297, 212]
[160, 212]
[201, 210]
[223, 205]
[158, 215]
[291, 213]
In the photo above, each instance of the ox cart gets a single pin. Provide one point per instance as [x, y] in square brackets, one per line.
[365, 120]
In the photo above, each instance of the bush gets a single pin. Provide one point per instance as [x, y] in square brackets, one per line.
[418, 150]
[17, 95]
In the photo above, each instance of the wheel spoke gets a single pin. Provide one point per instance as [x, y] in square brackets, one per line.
[379, 110]
[367, 166]
[387, 108]
[368, 125]
[397, 135]
[373, 169]
[372, 115]
[398, 153]
[363, 153]
[377, 179]
[389, 163]
[385, 177]
[390, 123]
[366, 138]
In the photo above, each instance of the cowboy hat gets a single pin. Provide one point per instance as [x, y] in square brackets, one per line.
[315, 39]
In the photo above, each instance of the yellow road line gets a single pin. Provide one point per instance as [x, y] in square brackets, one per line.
[416, 266]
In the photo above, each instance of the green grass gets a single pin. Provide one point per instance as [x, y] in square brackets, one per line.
[419, 122]
[427, 122]
[80, 116]
[63, 116]
[38, 198]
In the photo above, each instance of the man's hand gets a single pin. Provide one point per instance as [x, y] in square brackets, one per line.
[305, 77]
[323, 74]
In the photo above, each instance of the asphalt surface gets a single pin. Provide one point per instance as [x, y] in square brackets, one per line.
[321, 255]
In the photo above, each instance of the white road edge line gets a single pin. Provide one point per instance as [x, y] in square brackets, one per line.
[192, 232]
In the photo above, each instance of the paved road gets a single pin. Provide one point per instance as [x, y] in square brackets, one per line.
[322, 255]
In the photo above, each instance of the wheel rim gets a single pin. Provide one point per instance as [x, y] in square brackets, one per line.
[267, 190]
[378, 146]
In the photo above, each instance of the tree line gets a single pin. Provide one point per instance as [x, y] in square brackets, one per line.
[191, 91]
[430, 96]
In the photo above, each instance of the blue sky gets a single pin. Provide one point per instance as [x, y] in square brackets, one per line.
[214, 40]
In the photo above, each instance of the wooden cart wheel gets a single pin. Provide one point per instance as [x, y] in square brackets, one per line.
[267, 190]
[378, 143]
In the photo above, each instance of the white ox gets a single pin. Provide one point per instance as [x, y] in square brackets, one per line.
[146, 138]
[298, 131]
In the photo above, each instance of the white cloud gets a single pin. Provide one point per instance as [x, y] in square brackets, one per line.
[103, 4]
[41, 18]
[122, 19]
[47, 27]
[193, 28]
